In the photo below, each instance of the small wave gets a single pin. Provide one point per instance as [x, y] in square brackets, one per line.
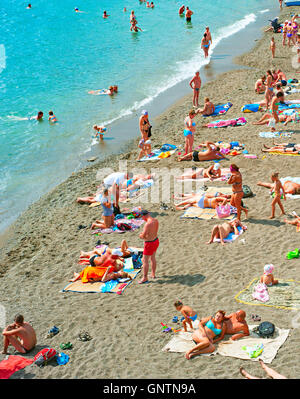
[263, 11]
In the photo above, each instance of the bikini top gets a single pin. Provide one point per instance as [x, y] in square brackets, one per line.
[211, 326]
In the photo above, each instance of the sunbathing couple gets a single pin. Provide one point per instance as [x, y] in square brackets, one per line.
[212, 152]
[283, 148]
[211, 173]
[104, 264]
[212, 329]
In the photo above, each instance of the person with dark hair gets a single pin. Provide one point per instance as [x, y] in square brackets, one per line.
[188, 14]
[260, 85]
[211, 330]
[269, 88]
[20, 335]
[195, 84]
[237, 190]
[52, 118]
[188, 313]
[108, 212]
[151, 244]
[212, 152]
[205, 43]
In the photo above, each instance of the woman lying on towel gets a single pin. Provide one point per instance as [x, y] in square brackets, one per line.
[265, 119]
[289, 148]
[203, 201]
[211, 330]
[221, 231]
[289, 187]
[128, 185]
[212, 152]
[125, 252]
[212, 172]
[102, 268]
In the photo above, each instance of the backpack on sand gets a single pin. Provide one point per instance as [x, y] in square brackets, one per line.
[266, 329]
[44, 356]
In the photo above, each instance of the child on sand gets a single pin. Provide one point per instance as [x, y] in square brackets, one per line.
[268, 277]
[188, 313]
[278, 189]
[273, 47]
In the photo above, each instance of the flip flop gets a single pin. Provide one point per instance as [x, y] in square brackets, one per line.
[84, 336]
[144, 282]
[53, 331]
[255, 317]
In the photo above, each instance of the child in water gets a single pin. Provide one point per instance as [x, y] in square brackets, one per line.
[278, 189]
[100, 131]
[268, 277]
[188, 313]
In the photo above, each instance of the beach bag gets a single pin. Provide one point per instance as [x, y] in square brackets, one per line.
[137, 260]
[44, 356]
[266, 329]
[261, 293]
[223, 211]
[123, 226]
[116, 210]
[247, 191]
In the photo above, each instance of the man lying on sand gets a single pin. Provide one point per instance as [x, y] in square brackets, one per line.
[20, 335]
[221, 231]
[288, 148]
[212, 172]
[212, 152]
[205, 200]
[85, 256]
[289, 187]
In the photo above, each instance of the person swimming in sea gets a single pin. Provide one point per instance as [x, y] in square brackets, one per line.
[110, 91]
[105, 15]
[52, 118]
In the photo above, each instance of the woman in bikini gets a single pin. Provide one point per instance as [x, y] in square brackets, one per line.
[202, 201]
[205, 43]
[145, 126]
[211, 330]
[260, 85]
[212, 153]
[237, 190]
[221, 231]
[289, 33]
[212, 172]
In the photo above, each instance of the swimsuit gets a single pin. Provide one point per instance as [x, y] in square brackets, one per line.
[201, 202]
[193, 317]
[150, 247]
[195, 156]
[187, 132]
[188, 19]
[211, 326]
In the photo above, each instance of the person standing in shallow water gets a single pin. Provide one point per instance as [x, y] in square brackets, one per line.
[188, 14]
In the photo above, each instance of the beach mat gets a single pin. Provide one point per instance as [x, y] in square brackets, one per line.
[134, 223]
[220, 109]
[282, 153]
[224, 173]
[14, 363]
[270, 345]
[157, 155]
[205, 214]
[114, 286]
[270, 135]
[284, 295]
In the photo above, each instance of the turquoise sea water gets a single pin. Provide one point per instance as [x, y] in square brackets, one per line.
[50, 57]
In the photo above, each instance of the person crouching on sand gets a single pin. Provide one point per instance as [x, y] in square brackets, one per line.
[188, 313]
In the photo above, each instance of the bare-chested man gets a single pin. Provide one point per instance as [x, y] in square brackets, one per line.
[208, 108]
[188, 14]
[208, 34]
[20, 335]
[149, 235]
[195, 84]
[236, 325]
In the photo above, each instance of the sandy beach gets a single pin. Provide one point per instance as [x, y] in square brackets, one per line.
[40, 252]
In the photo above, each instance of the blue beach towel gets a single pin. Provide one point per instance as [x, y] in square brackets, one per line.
[251, 108]
[220, 109]
[231, 236]
[270, 135]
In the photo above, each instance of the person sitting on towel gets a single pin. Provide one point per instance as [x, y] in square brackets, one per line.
[208, 108]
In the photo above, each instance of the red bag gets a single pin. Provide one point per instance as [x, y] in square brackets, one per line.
[44, 356]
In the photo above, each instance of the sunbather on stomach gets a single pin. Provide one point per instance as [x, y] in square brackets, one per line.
[291, 148]
[211, 330]
[123, 252]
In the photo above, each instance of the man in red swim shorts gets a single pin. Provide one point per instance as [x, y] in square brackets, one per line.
[151, 243]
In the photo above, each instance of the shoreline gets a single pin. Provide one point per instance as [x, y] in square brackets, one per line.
[222, 59]
[44, 243]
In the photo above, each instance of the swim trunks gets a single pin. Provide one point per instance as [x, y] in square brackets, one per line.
[193, 317]
[197, 88]
[150, 247]
[195, 156]
[188, 19]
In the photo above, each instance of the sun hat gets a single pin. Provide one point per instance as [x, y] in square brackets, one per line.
[217, 166]
[268, 269]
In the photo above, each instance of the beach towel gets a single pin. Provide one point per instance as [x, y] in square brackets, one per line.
[284, 295]
[134, 223]
[223, 177]
[182, 342]
[231, 236]
[283, 153]
[226, 123]
[220, 109]
[14, 363]
[270, 345]
[270, 135]
[113, 286]
[165, 151]
[255, 107]
[206, 214]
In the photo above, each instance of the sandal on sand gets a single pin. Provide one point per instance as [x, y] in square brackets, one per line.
[84, 336]
[255, 317]
[53, 331]
[67, 345]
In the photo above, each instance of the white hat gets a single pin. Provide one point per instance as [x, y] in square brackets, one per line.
[217, 166]
[117, 252]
